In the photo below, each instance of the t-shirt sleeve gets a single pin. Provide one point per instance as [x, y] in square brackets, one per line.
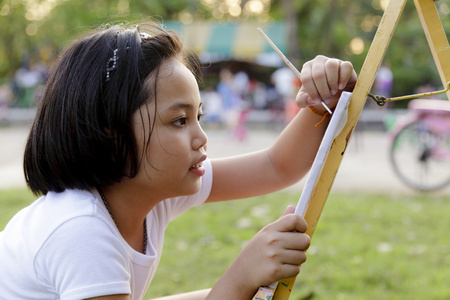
[82, 259]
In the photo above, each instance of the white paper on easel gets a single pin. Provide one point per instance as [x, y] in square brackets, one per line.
[337, 123]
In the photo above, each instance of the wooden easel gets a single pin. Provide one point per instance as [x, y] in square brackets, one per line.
[440, 49]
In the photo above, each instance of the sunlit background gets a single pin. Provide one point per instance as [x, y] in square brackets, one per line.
[223, 37]
[35, 31]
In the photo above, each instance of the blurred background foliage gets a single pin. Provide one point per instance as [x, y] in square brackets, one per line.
[38, 29]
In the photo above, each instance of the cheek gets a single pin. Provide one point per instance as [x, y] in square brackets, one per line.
[168, 142]
[163, 155]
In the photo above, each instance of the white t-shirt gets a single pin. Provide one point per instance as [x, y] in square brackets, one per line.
[66, 246]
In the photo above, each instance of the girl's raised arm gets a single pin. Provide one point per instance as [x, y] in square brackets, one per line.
[293, 153]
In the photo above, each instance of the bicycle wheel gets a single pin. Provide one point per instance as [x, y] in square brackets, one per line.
[421, 157]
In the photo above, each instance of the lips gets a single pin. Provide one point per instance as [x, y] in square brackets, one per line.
[198, 168]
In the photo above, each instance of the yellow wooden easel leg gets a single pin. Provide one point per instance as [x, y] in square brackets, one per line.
[365, 81]
[437, 39]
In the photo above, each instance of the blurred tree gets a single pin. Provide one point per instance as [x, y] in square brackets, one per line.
[37, 29]
[345, 29]
[409, 55]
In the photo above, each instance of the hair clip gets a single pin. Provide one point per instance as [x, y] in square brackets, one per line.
[144, 35]
[111, 65]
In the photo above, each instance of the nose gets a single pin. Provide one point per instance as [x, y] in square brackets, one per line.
[200, 138]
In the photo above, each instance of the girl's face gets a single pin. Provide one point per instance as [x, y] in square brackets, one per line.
[172, 163]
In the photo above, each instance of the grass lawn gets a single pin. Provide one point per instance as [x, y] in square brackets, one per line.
[364, 247]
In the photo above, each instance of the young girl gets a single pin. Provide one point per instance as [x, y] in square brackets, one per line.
[117, 152]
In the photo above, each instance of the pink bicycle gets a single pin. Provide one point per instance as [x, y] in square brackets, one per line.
[420, 145]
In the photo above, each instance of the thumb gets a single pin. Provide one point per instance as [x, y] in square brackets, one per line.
[289, 210]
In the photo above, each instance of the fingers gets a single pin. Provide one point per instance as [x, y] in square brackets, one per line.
[290, 222]
[347, 75]
[296, 241]
[293, 237]
[333, 79]
[288, 271]
[276, 251]
[288, 233]
[289, 210]
[322, 79]
[279, 270]
[293, 257]
[289, 253]
[292, 240]
[312, 78]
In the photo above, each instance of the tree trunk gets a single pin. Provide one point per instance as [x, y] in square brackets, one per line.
[293, 52]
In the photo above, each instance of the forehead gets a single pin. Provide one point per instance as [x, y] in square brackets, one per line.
[174, 69]
[176, 83]
[176, 88]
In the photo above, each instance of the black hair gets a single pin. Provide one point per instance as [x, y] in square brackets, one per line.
[82, 136]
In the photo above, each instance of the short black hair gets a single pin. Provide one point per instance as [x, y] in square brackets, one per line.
[82, 136]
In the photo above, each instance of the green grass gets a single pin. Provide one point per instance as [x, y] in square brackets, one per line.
[364, 247]
[11, 201]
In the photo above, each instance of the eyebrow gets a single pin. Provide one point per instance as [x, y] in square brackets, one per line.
[178, 106]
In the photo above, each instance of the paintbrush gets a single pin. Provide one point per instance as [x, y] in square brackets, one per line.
[287, 62]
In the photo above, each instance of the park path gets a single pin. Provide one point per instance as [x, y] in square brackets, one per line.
[364, 168]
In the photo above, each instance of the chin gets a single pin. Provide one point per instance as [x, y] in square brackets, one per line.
[192, 189]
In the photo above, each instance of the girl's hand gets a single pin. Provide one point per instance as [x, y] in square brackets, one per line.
[274, 253]
[324, 79]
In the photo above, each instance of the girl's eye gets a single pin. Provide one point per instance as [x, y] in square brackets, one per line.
[180, 122]
[183, 120]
